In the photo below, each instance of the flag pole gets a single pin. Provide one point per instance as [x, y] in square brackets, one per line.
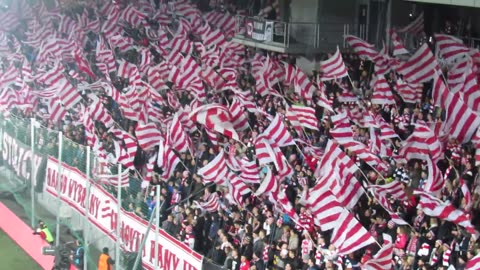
[119, 208]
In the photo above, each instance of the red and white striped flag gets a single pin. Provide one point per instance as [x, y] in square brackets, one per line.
[336, 171]
[239, 119]
[415, 27]
[150, 166]
[420, 67]
[215, 171]
[112, 179]
[422, 143]
[361, 151]
[324, 207]
[349, 235]
[409, 92]
[342, 129]
[463, 80]
[364, 49]
[68, 94]
[210, 203]
[473, 263]
[461, 128]
[178, 137]
[281, 201]
[466, 195]
[435, 181]
[278, 133]
[458, 72]
[250, 172]
[215, 117]
[82, 63]
[148, 135]
[302, 117]
[444, 210]
[132, 16]
[382, 200]
[303, 85]
[386, 131]
[398, 47]
[450, 48]
[334, 67]
[383, 260]
[56, 109]
[167, 159]
[265, 151]
[129, 71]
[382, 93]
[269, 184]
[394, 189]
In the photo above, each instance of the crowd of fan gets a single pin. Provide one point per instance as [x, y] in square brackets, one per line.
[257, 235]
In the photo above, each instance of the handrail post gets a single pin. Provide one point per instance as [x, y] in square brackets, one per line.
[158, 223]
[289, 25]
[32, 172]
[86, 234]
[119, 214]
[59, 188]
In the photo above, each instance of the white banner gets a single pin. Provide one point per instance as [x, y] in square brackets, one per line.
[173, 254]
[19, 157]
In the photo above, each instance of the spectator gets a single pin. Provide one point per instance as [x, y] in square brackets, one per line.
[105, 262]
[44, 232]
[78, 255]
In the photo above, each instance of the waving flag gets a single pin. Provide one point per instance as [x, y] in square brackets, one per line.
[167, 160]
[302, 117]
[215, 171]
[336, 171]
[148, 136]
[333, 68]
[421, 67]
[383, 259]
[422, 143]
[444, 210]
[364, 49]
[415, 27]
[461, 128]
[268, 185]
[450, 48]
[382, 93]
[178, 137]
[215, 117]
[278, 133]
[350, 235]
[398, 48]
[325, 208]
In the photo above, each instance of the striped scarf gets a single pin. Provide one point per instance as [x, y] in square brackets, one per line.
[265, 253]
[319, 256]
[412, 246]
[306, 247]
[446, 257]
[447, 172]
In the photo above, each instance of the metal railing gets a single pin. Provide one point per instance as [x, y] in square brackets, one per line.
[322, 35]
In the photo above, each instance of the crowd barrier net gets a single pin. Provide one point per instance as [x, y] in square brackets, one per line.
[47, 175]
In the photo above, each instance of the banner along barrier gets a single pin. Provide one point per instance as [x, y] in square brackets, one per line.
[173, 254]
[19, 158]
